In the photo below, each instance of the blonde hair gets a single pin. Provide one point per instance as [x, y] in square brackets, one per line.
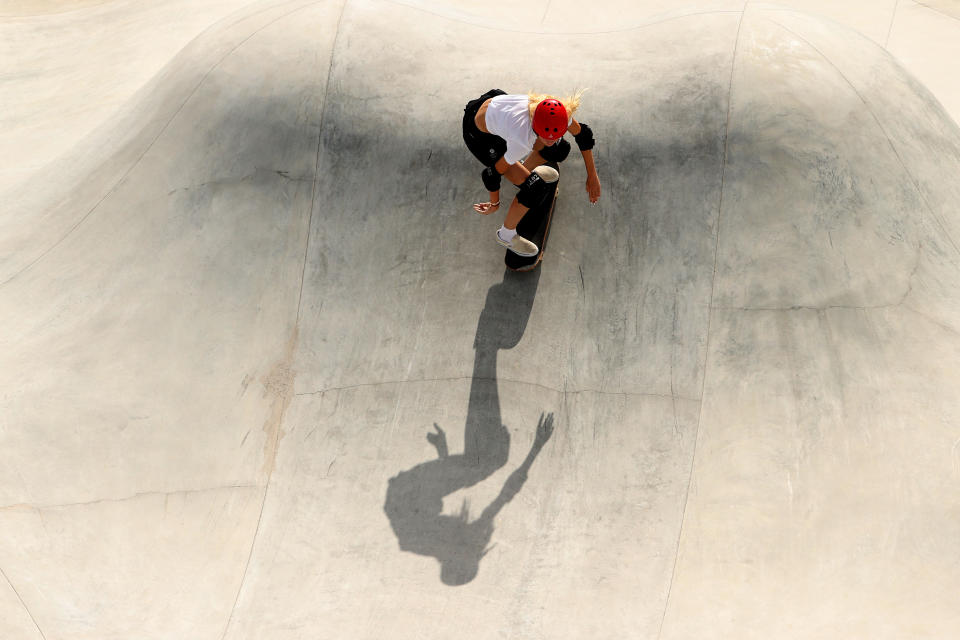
[571, 103]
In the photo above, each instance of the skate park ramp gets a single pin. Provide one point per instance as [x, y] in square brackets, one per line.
[263, 373]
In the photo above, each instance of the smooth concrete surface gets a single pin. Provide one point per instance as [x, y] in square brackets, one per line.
[263, 374]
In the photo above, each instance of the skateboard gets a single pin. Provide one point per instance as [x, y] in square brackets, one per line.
[535, 227]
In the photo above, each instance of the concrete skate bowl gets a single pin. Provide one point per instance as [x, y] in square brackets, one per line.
[264, 374]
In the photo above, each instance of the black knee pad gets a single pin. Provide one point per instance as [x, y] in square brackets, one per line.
[533, 190]
[557, 152]
[491, 179]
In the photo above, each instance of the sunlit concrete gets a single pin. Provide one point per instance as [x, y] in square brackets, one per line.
[263, 374]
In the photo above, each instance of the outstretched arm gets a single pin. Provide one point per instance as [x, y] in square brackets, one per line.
[585, 141]
[519, 476]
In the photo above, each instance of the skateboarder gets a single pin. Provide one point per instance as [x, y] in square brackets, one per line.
[501, 130]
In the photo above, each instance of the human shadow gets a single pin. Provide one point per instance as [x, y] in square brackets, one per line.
[414, 501]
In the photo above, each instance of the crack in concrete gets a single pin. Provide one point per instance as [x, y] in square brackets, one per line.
[90, 6]
[890, 305]
[136, 496]
[240, 180]
[809, 308]
[673, 341]
[928, 318]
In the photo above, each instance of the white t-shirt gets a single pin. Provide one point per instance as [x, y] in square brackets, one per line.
[509, 117]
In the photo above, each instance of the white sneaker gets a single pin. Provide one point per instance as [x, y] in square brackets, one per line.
[519, 245]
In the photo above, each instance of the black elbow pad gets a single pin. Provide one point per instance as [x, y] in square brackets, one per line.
[585, 138]
[556, 152]
[491, 179]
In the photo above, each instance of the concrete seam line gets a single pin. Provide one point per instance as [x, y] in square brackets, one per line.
[492, 26]
[266, 489]
[835, 307]
[565, 391]
[24, 604]
[713, 288]
[893, 18]
[935, 10]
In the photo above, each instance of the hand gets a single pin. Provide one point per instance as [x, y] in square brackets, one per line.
[486, 208]
[439, 440]
[544, 429]
[593, 188]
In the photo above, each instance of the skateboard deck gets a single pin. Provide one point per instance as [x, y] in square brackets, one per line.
[535, 227]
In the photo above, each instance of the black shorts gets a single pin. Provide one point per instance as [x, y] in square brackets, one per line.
[485, 147]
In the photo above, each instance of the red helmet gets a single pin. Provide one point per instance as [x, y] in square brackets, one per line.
[550, 119]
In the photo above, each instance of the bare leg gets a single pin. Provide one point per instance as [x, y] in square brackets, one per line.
[515, 214]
